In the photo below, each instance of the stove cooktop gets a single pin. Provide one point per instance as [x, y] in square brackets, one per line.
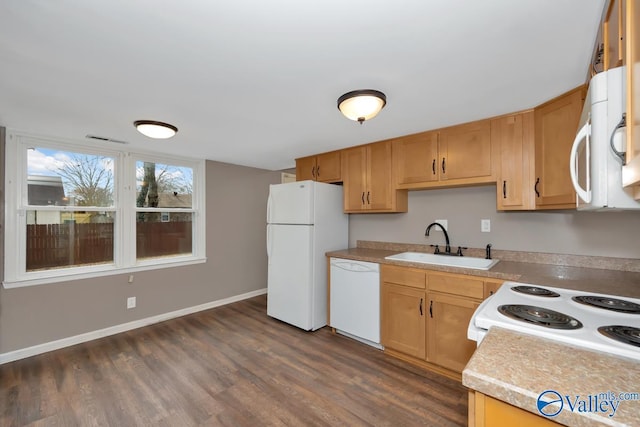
[585, 319]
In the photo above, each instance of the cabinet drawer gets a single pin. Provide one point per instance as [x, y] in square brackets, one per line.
[404, 276]
[456, 285]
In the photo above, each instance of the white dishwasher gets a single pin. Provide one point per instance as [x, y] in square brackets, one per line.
[355, 300]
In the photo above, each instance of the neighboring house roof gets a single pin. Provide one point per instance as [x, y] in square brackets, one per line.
[174, 200]
[45, 191]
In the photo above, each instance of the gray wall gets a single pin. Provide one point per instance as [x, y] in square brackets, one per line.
[237, 263]
[613, 234]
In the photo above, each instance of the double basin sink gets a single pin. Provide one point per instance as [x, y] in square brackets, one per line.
[445, 260]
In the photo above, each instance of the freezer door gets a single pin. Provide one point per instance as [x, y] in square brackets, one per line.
[291, 203]
[290, 272]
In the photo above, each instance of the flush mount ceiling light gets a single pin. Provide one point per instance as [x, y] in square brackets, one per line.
[156, 130]
[361, 105]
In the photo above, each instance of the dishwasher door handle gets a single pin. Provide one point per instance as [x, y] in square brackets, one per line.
[353, 266]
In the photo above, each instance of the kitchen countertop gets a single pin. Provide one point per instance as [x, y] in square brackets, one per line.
[516, 368]
[614, 276]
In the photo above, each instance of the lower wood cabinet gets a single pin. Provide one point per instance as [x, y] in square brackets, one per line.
[485, 411]
[449, 317]
[425, 315]
[404, 327]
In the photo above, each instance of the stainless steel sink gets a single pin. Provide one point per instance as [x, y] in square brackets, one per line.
[445, 260]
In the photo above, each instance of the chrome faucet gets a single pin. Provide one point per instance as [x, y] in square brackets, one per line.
[447, 249]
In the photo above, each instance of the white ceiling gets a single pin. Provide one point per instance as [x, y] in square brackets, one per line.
[255, 82]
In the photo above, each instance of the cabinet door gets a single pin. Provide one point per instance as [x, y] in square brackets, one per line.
[613, 34]
[415, 159]
[465, 151]
[556, 125]
[447, 324]
[354, 167]
[514, 137]
[306, 168]
[403, 319]
[380, 190]
[328, 167]
[631, 171]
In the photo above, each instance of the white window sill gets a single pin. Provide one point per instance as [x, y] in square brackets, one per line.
[108, 271]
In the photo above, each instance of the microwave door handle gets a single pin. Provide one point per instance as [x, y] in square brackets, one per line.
[620, 154]
[583, 134]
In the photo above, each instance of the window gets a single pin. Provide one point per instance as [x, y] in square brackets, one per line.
[83, 213]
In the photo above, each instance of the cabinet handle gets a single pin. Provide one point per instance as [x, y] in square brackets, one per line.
[313, 171]
[431, 309]
[535, 187]
[368, 201]
[433, 166]
[318, 171]
[420, 306]
[363, 197]
[504, 189]
[443, 169]
[490, 293]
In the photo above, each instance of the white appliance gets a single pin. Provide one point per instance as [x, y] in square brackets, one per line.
[304, 221]
[606, 323]
[355, 300]
[596, 169]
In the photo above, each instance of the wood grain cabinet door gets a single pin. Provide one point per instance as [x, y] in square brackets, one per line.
[415, 159]
[556, 125]
[403, 319]
[306, 168]
[447, 322]
[380, 190]
[631, 171]
[354, 167]
[465, 151]
[514, 137]
[328, 167]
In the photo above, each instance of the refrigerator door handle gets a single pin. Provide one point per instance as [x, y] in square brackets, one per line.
[269, 208]
[268, 242]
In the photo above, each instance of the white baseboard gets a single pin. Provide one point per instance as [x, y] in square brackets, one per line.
[112, 330]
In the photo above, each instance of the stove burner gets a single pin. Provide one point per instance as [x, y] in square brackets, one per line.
[609, 303]
[539, 316]
[623, 334]
[534, 290]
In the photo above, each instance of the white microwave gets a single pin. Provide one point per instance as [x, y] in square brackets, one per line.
[598, 150]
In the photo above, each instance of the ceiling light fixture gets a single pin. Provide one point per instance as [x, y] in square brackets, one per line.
[156, 130]
[361, 105]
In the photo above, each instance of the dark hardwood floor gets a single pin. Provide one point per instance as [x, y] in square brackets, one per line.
[232, 366]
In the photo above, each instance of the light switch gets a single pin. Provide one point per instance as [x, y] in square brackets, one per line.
[485, 225]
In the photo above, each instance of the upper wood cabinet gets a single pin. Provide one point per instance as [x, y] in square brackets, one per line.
[613, 34]
[631, 170]
[324, 167]
[514, 139]
[465, 153]
[556, 125]
[458, 155]
[368, 185]
[415, 158]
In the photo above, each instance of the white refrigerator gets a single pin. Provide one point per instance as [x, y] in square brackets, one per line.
[304, 220]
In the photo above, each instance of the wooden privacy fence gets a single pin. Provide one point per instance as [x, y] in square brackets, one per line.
[72, 244]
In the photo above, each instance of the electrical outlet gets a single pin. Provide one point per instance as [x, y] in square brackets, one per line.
[131, 302]
[131, 278]
[443, 223]
[485, 225]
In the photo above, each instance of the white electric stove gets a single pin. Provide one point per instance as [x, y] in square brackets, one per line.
[590, 320]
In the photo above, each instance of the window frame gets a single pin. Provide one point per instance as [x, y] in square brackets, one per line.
[124, 208]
